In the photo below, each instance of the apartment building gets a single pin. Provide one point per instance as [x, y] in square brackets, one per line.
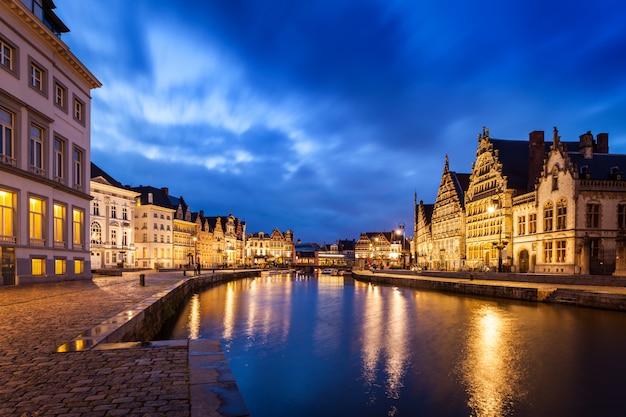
[45, 113]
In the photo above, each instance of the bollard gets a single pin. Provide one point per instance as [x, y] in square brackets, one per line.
[184, 272]
[142, 280]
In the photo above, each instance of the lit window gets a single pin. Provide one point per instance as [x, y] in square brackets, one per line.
[79, 266]
[36, 221]
[35, 150]
[96, 233]
[6, 217]
[60, 266]
[59, 225]
[59, 157]
[38, 266]
[6, 137]
[521, 225]
[114, 237]
[77, 227]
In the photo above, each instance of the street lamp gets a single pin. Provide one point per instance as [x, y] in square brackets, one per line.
[195, 253]
[400, 232]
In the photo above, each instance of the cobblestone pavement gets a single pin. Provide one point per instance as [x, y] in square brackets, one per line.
[36, 381]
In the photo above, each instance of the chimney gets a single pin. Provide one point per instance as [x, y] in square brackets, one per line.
[586, 145]
[602, 143]
[536, 153]
[150, 199]
[202, 213]
[166, 191]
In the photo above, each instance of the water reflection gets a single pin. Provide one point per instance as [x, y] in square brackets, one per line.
[385, 342]
[491, 367]
[194, 317]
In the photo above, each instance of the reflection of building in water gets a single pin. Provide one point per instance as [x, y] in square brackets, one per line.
[385, 341]
[492, 365]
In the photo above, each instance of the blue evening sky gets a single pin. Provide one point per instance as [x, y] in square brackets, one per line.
[324, 116]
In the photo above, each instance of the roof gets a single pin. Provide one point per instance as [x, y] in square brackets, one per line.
[600, 166]
[159, 196]
[96, 172]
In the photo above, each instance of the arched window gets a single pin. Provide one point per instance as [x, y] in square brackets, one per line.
[561, 214]
[548, 215]
[96, 233]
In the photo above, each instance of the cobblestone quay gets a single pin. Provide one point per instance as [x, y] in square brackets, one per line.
[122, 380]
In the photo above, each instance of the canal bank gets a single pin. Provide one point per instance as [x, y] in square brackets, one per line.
[604, 293]
[105, 371]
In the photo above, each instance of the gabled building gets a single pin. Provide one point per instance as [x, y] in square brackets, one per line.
[112, 222]
[379, 249]
[448, 221]
[45, 125]
[184, 233]
[275, 249]
[422, 245]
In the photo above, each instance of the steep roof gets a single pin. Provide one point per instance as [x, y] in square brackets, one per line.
[159, 196]
[600, 166]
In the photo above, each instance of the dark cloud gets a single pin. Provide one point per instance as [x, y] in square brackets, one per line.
[326, 116]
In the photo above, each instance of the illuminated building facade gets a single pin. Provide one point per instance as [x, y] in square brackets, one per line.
[422, 234]
[534, 206]
[111, 222]
[448, 222]
[275, 249]
[45, 121]
[379, 249]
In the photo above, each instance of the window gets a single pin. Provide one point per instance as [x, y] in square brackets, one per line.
[79, 266]
[35, 150]
[555, 178]
[621, 216]
[60, 266]
[58, 162]
[96, 208]
[60, 96]
[6, 217]
[162, 241]
[79, 111]
[145, 238]
[113, 211]
[595, 248]
[592, 217]
[59, 225]
[561, 214]
[547, 216]
[547, 252]
[38, 266]
[78, 168]
[114, 237]
[156, 239]
[36, 221]
[6, 137]
[560, 251]
[78, 226]
[125, 238]
[532, 223]
[96, 233]
[521, 225]
[124, 213]
[37, 77]
[7, 56]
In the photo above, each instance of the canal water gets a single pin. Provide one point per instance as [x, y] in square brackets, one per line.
[331, 346]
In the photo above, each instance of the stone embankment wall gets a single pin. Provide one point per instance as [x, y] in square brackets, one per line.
[470, 288]
[598, 294]
[164, 305]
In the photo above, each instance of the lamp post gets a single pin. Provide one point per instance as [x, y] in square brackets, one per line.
[400, 232]
[195, 254]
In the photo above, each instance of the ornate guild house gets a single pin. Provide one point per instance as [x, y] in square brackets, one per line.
[528, 206]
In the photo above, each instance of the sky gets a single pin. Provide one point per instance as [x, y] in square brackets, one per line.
[326, 116]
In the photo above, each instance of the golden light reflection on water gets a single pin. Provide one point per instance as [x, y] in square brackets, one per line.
[385, 341]
[194, 317]
[491, 367]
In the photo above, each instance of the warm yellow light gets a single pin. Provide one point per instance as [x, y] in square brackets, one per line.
[491, 209]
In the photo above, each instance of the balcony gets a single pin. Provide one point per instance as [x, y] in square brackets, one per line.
[8, 160]
[8, 239]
